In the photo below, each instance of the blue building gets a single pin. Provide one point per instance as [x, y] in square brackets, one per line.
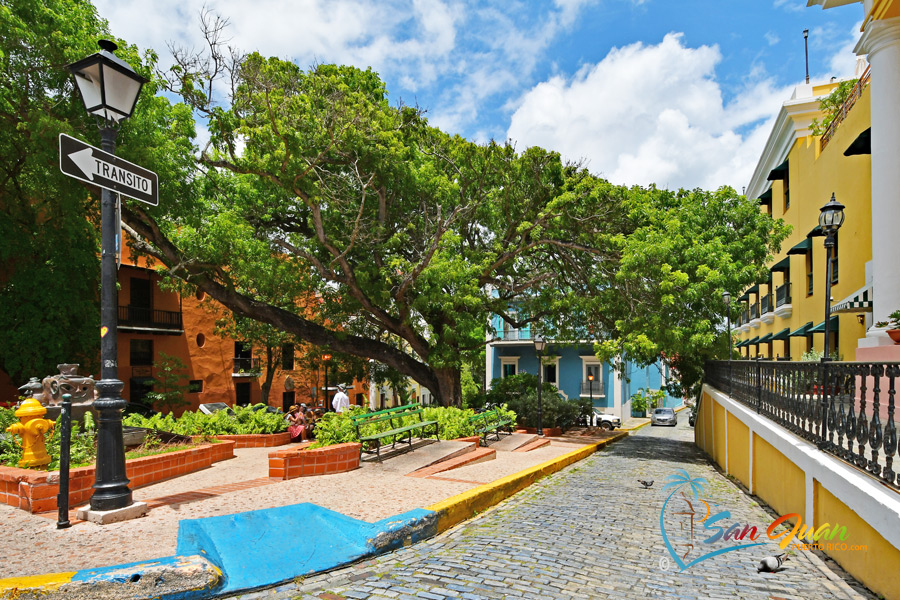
[571, 367]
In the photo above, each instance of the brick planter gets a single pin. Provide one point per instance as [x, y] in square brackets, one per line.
[36, 491]
[548, 431]
[265, 440]
[291, 463]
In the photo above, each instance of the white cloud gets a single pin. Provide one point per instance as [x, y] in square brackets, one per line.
[652, 114]
[771, 38]
[790, 5]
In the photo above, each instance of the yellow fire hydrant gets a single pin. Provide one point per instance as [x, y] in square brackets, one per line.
[31, 428]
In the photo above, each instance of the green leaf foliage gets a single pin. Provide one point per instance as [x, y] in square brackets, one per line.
[245, 420]
[518, 394]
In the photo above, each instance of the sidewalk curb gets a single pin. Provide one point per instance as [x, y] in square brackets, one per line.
[464, 506]
[193, 576]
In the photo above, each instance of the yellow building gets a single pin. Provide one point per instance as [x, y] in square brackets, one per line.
[798, 172]
[856, 159]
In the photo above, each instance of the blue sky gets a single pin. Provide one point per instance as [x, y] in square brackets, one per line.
[680, 93]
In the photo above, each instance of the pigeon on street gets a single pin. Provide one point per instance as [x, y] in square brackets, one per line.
[646, 484]
[771, 564]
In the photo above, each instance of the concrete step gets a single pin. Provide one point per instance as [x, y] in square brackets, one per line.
[469, 458]
[424, 453]
[533, 445]
[508, 443]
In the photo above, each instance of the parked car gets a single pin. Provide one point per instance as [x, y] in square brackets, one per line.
[664, 416]
[692, 418]
[604, 421]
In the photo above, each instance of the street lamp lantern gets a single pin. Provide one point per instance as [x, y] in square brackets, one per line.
[831, 216]
[109, 88]
[539, 344]
[108, 85]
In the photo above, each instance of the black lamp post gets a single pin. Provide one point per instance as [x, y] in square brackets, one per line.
[539, 344]
[831, 217]
[726, 296]
[109, 88]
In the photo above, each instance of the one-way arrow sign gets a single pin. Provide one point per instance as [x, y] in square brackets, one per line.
[93, 165]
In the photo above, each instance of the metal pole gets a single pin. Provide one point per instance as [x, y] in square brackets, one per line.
[65, 434]
[806, 51]
[327, 403]
[111, 489]
[730, 349]
[826, 358]
[540, 415]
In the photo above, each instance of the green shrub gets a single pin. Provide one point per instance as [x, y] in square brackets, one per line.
[245, 420]
[519, 395]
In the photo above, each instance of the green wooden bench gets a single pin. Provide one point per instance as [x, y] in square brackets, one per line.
[488, 422]
[394, 417]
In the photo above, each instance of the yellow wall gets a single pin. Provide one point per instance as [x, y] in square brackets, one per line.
[778, 481]
[782, 485]
[718, 433]
[876, 565]
[738, 449]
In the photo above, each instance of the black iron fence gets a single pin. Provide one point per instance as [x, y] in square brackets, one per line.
[246, 366]
[783, 294]
[845, 408]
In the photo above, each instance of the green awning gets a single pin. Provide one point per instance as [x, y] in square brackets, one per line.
[784, 334]
[765, 198]
[753, 290]
[861, 145]
[745, 297]
[783, 265]
[779, 172]
[859, 301]
[765, 338]
[820, 328]
[753, 341]
[801, 248]
[740, 344]
[801, 331]
[815, 232]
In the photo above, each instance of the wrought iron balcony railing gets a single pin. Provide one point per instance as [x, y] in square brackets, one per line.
[845, 408]
[246, 366]
[765, 304]
[138, 316]
[783, 294]
[754, 311]
[594, 388]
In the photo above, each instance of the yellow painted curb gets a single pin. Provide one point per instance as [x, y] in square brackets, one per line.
[457, 509]
[10, 587]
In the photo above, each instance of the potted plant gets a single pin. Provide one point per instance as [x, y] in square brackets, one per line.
[893, 326]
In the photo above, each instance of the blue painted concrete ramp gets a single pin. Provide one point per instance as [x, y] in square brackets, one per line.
[258, 548]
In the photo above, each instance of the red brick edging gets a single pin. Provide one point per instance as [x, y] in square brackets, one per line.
[300, 461]
[262, 440]
[548, 431]
[36, 491]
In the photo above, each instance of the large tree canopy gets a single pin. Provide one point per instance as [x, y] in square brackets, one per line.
[411, 238]
[49, 223]
[321, 209]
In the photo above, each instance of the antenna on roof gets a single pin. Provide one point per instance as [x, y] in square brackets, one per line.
[806, 51]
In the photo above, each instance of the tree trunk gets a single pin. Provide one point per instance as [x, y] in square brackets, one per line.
[270, 375]
[449, 391]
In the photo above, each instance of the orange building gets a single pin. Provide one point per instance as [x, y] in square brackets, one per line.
[154, 321]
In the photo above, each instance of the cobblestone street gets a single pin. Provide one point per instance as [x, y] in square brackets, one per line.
[590, 531]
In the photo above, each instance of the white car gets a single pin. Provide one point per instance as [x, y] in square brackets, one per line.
[604, 420]
[664, 416]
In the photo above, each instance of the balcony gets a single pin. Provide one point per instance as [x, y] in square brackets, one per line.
[844, 110]
[246, 367]
[139, 318]
[766, 309]
[783, 306]
[514, 335]
[592, 388]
